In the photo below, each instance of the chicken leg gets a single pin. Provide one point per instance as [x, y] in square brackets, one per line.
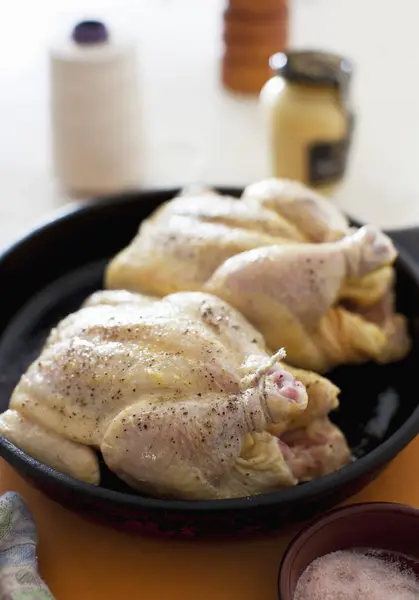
[186, 239]
[291, 294]
[188, 448]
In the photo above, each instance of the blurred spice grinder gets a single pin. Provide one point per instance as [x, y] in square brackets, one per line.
[253, 30]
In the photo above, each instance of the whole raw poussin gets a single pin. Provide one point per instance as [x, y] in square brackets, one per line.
[177, 393]
[283, 256]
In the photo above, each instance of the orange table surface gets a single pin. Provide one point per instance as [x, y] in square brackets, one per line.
[79, 560]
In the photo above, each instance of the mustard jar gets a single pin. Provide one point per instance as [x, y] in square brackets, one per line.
[308, 117]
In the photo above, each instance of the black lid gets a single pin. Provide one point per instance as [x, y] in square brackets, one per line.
[312, 67]
[90, 32]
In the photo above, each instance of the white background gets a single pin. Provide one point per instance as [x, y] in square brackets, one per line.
[196, 131]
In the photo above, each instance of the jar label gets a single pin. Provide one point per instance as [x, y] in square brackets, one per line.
[327, 160]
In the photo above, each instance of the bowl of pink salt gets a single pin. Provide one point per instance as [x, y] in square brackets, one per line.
[366, 551]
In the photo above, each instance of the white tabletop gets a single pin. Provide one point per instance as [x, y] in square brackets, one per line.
[196, 131]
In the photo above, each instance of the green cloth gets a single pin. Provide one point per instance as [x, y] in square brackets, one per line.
[19, 578]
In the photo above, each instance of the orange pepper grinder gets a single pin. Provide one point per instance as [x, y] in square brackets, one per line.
[253, 30]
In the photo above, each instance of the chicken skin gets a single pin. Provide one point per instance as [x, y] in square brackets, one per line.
[177, 393]
[295, 295]
[173, 373]
[284, 257]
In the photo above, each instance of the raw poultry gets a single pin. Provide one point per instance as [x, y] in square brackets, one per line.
[181, 397]
[287, 259]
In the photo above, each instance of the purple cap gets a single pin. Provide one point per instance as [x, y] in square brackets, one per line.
[90, 32]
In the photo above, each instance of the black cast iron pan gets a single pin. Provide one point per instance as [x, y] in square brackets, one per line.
[48, 273]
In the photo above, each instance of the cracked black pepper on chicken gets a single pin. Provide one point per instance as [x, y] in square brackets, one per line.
[174, 375]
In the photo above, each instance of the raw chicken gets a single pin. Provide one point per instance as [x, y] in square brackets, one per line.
[293, 294]
[322, 393]
[316, 218]
[286, 258]
[178, 394]
[185, 240]
[315, 451]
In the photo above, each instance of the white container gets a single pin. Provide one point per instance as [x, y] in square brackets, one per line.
[95, 111]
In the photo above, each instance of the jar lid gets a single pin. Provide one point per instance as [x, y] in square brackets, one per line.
[90, 32]
[312, 67]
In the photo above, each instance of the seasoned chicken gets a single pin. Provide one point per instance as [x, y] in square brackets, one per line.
[293, 294]
[283, 256]
[178, 394]
[316, 218]
[322, 393]
[185, 240]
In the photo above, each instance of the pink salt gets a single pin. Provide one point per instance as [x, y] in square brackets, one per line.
[358, 575]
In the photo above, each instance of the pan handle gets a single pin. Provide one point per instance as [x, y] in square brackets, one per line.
[407, 240]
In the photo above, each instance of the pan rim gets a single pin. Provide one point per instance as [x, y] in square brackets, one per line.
[304, 493]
